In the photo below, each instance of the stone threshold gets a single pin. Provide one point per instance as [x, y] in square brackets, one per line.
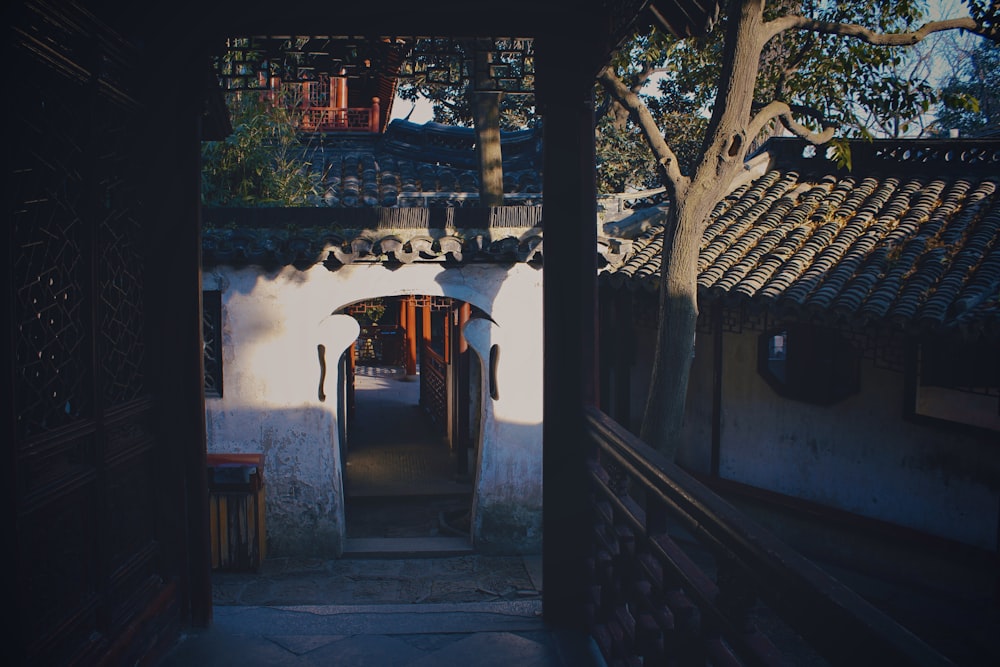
[407, 547]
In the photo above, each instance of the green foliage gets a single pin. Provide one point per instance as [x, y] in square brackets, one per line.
[862, 89]
[375, 310]
[857, 87]
[840, 152]
[440, 74]
[971, 96]
[624, 161]
[987, 14]
[261, 162]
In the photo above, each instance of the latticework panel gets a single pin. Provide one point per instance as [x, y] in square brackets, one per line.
[434, 388]
[84, 453]
[120, 265]
[50, 275]
[435, 303]
[211, 322]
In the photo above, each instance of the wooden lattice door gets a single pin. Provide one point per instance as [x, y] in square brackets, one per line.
[85, 466]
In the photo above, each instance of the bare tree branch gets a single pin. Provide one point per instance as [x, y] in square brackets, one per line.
[666, 158]
[783, 111]
[795, 22]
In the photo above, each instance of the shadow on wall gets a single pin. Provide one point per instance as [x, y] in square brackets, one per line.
[303, 510]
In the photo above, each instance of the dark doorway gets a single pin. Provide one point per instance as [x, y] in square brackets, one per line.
[406, 476]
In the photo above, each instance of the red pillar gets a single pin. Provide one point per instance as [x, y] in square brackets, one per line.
[352, 364]
[376, 115]
[425, 312]
[462, 403]
[411, 336]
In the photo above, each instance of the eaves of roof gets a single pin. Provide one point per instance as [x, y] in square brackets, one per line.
[303, 237]
[909, 240]
[409, 196]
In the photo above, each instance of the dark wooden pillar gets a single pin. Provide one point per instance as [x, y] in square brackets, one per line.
[425, 324]
[565, 97]
[352, 365]
[175, 128]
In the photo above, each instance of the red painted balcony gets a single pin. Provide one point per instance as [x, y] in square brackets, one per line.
[323, 105]
[333, 119]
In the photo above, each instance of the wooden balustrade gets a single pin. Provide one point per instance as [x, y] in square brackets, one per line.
[334, 119]
[321, 106]
[678, 576]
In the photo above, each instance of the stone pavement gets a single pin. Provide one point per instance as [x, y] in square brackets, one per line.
[409, 592]
[467, 611]
[371, 581]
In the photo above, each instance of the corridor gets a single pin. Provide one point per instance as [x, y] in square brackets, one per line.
[401, 489]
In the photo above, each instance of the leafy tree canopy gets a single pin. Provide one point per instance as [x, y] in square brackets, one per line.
[260, 163]
[440, 71]
[860, 88]
[970, 100]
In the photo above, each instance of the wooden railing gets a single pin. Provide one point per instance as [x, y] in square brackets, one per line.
[434, 386]
[332, 119]
[681, 577]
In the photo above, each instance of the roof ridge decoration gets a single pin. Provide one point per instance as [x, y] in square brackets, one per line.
[974, 155]
[303, 237]
[900, 242]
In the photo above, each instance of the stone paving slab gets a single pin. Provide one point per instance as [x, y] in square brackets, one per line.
[459, 579]
[405, 619]
[484, 634]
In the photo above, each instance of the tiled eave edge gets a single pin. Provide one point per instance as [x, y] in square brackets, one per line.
[910, 247]
[979, 322]
[303, 237]
[334, 247]
[975, 315]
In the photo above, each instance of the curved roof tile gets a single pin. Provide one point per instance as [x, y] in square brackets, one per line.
[911, 238]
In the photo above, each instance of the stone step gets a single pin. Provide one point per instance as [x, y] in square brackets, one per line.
[413, 547]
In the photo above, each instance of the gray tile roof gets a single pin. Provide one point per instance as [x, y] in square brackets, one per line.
[408, 195]
[910, 239]
[420, 165]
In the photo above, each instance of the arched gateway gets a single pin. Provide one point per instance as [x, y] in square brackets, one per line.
[284, 330]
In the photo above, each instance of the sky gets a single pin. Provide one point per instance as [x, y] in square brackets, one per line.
[422, 112]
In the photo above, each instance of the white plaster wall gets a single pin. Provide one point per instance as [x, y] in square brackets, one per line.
[507, 511]
[859, 455]
[272, 325]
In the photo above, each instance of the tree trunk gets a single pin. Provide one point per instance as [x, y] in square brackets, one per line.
[725, 150]
[665, 401]
[486, 107]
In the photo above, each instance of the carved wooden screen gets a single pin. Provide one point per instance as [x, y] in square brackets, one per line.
[84, 455]
[435, 361]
